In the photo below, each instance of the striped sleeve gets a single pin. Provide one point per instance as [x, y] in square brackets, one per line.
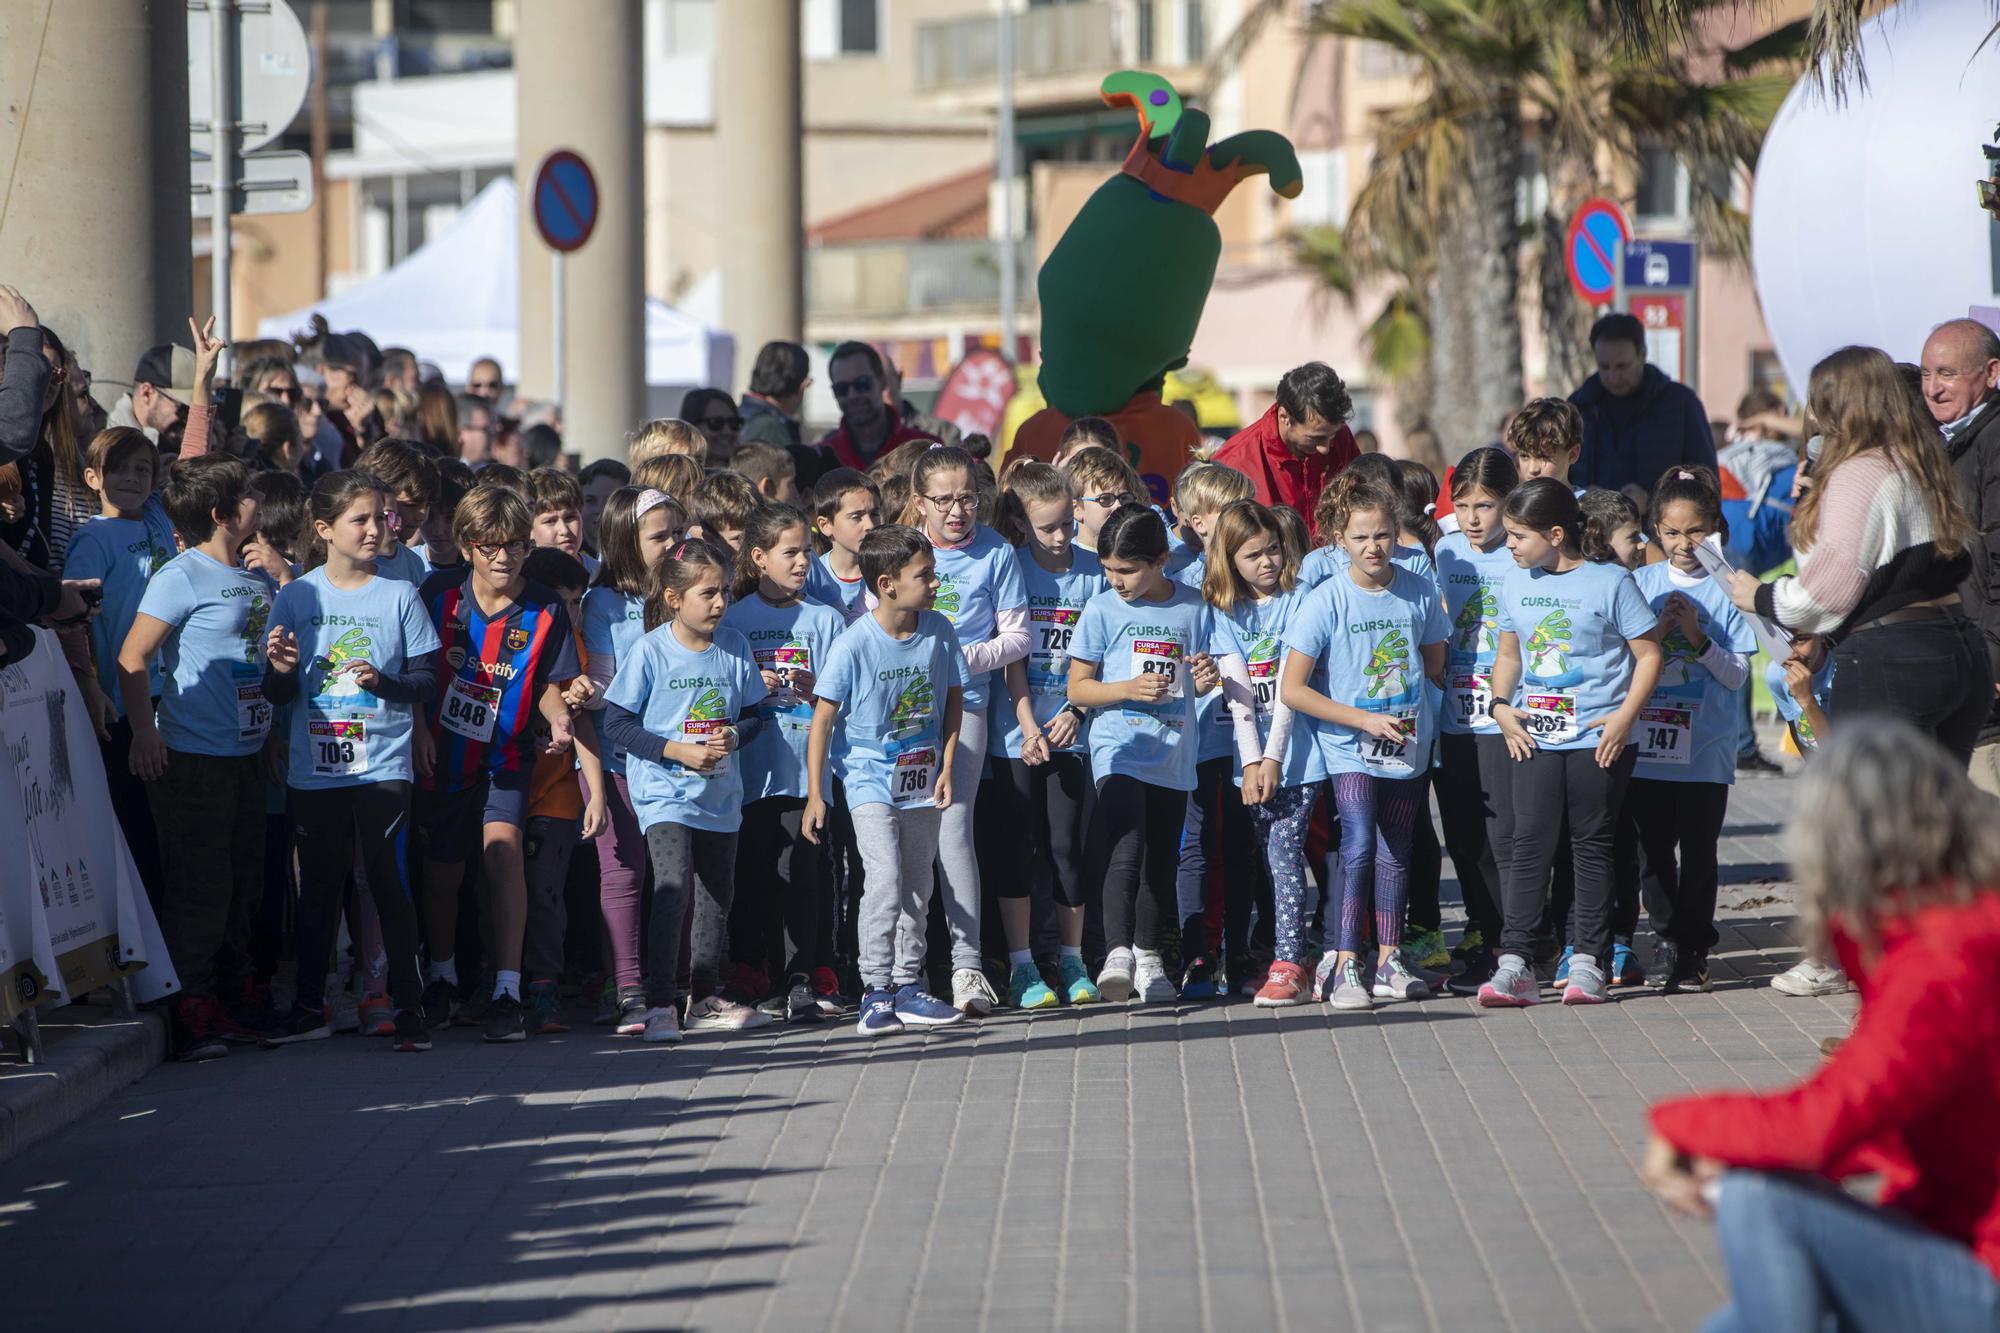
[1855, 516]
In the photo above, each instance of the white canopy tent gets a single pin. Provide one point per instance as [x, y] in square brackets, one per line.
[1864, 228]
[457, 298]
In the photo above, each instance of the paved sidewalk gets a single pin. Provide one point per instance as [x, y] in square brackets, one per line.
[1216, 1167]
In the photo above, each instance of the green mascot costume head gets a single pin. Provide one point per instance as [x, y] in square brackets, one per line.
[1122, 291]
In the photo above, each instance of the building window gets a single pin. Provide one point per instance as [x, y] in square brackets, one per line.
[1322, 200]
[1194, 33]
[1663, 186]
[860, 27]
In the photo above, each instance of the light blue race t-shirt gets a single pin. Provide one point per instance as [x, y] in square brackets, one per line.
[1055, 604]
[1368, 643]
[613, 624]
[1575, 666]
[1789, 709]
[976, 582]
[340, 734]
[782, 639]
[1470, 581]
[1158, 742]
[888, 741]
[212, 697]
[1689, 729]
[847, 596]
[681, 695]
[1323, 562]
[405, 566]
[1261, 628]
[125, 553]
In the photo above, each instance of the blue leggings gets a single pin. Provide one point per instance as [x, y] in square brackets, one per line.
[1375, 818]
[1280, 824]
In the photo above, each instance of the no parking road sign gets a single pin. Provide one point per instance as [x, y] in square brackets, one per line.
[1598, 234]
[566, 201]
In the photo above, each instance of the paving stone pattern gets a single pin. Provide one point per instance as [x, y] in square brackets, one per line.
[1207, 1166]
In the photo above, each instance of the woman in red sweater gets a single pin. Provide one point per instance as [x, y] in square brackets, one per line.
[1897, 857]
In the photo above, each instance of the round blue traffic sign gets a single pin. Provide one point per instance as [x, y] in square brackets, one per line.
[1597, 234]
[565, 200]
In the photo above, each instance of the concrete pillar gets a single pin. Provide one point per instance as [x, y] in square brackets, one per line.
[577, 81]
[94, 217]
[757, 143]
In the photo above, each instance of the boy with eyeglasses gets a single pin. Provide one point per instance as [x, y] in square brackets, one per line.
[508, 653]
[1101, 481]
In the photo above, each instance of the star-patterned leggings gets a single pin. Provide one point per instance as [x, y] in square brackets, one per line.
[1281, 826]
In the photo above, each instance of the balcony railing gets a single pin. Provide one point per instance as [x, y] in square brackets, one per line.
[894, 278]
[1054, 40]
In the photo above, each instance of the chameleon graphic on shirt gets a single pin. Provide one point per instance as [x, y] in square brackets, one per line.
[254, 624]
[1547, 649]
[913, 707]
[1477, 630]
[947, 601]
[1388, 666]
[1678, 659]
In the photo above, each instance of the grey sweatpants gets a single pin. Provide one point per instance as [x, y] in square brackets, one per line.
[896, 847]
[957, 862]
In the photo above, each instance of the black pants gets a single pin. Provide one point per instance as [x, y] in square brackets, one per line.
[1561, 917]
[1466, 803]
[1684, 818]
[1217, 823]
[1426, 867]
[329, 825]
[1933, 674]
[781, 891]
[1548, 785]
[1048, 820]
[1134, 841]
[689, 865]
[131, 808]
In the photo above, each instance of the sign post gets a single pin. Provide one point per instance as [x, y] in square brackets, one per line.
[566, 205]
[1595, 254]
[1659, 290]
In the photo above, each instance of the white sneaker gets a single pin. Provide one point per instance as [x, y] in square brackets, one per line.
[662, 1027]
[346, 1010]
[1808, 978]
[1114, 979]
[971, 993]
[1395, 981]
[719, 1015]
[1150, 978]
[1348, 991]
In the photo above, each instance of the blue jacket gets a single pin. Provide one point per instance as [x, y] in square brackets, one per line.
[1671, 426]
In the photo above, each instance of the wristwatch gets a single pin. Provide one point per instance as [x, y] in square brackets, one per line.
[1076, 710]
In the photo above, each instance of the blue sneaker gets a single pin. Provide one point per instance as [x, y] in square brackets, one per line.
[1198, 982]
[878, 1014]
[918, 1008]
[1027, 990]
[1626, 969]
[1562, 968]
[1075, 980]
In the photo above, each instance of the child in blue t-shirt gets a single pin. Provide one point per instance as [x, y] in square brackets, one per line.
[784, 918]
[358, 653]
[1799, 688]
[1252, 581]
[634, 530]
[1040, 738]
[207, 618]
[676, 709]
[1142, 654]
[1688, 734]
[980, 592]
[887, 711]
[846, 508]
[131, 540]
[1579, 656]
[1360, 653]
[1473, 767]
[411, 478]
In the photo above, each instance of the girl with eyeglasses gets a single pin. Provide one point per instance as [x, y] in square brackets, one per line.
[981, 592]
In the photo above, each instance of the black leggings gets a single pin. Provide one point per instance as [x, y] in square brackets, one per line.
[1467, 806]
[688, 864]
[1684, 818]
[326, 824]
[1050, 821]
[782, 910]
[1424, 867]
[1218, 824]
[1547, 785]
[1135, 835]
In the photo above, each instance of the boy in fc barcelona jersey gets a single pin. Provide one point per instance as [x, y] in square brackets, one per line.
[508, 652]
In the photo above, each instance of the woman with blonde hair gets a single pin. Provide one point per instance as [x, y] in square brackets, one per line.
[1896, 856]
[1884, 543]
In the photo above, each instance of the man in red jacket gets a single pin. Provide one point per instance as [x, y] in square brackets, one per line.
[1291, 451]
[869, 426]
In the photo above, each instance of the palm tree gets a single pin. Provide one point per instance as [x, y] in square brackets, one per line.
[1518, 94]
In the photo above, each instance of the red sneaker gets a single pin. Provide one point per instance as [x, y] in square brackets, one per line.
[1286, 985]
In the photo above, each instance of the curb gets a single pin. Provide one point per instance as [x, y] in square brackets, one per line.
[83, 1071]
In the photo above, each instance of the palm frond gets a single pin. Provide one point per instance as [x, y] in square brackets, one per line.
[1786, 43]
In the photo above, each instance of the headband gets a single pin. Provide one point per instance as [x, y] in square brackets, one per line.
[649, 500]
